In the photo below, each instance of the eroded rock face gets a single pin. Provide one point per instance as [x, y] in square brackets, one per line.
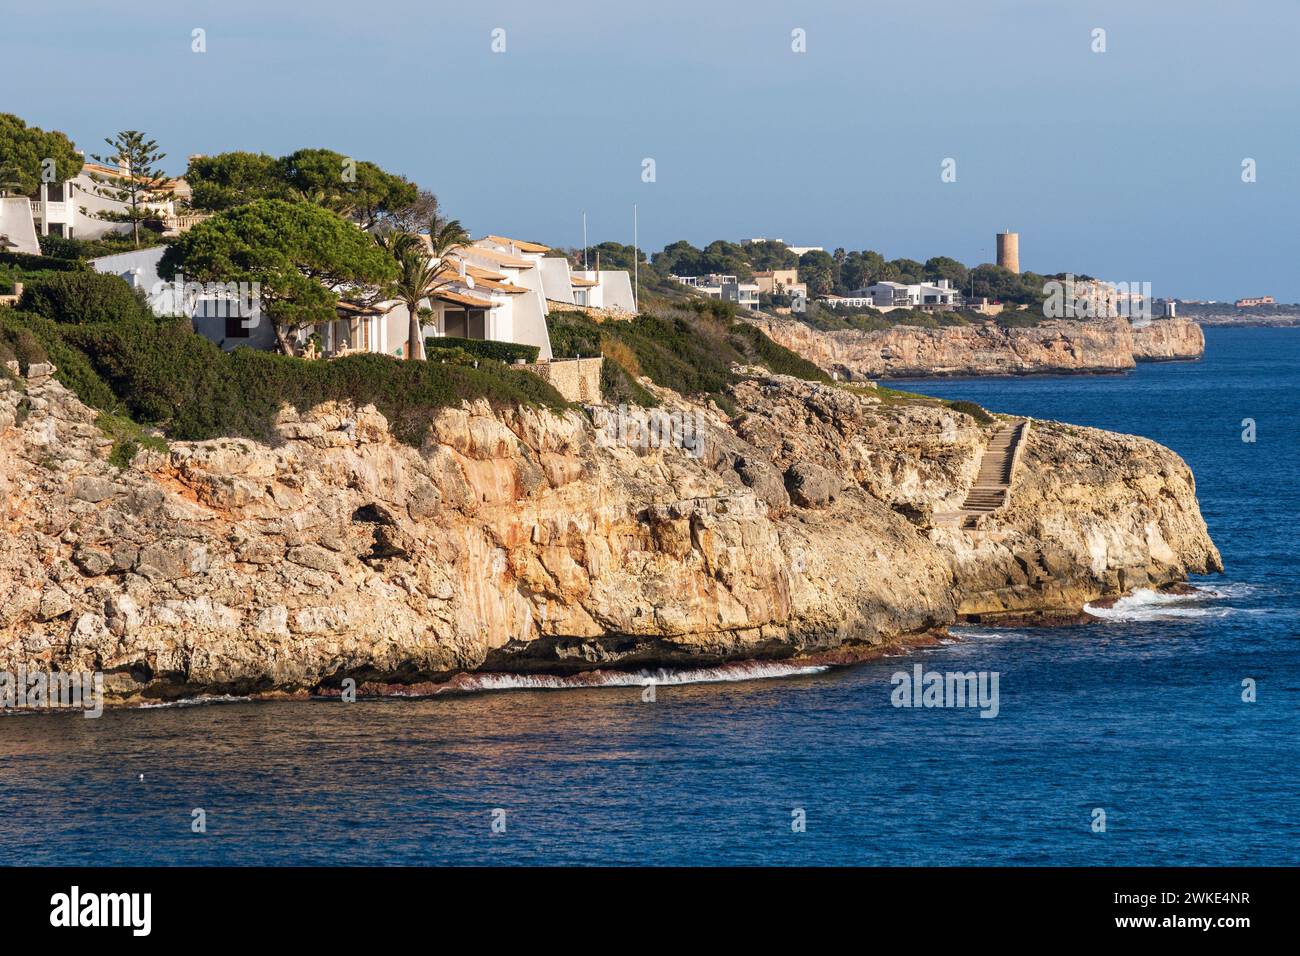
[512, 540]
[1168, 340]
[1103, 345]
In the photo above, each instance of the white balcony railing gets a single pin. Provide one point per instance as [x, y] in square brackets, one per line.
[58, 211]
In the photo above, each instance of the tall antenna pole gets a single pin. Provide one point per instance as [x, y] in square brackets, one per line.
[636, 267]
[584, 240]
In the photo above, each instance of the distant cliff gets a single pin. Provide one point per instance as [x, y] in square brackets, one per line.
[1102, 345]
[1168, 340]
[519, 539]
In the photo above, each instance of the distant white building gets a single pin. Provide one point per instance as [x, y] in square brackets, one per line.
[70, 209]
[728, 288]
[797, 250]
[898, 295]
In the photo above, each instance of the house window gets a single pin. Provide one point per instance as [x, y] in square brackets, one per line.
[235, 328]
[477, 324]
[453, 323]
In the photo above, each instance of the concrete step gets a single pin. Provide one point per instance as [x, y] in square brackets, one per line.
[993, 479]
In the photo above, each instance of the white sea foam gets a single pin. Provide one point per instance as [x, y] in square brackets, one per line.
[739, 671]
[1230, 589]
[1148, 605]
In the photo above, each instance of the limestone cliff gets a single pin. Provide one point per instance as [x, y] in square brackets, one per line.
[1102, 345]
[514, 540]
[1168, 340]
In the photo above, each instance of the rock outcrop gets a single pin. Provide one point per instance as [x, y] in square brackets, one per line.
[513, 540]
[1168, 340]
[1101, 345]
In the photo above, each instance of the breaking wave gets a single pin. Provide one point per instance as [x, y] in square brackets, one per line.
[1148, 605]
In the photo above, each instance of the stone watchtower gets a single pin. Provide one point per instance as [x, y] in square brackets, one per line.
[1009, 251]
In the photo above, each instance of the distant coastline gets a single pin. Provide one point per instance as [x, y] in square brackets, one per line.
[1050, 348]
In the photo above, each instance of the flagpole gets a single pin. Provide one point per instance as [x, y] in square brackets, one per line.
[636, 266]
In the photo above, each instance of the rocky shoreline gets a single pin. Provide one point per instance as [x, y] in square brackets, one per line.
[516, 541]
[1052, 347]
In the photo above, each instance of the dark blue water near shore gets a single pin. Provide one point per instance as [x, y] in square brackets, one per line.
[1139, 714]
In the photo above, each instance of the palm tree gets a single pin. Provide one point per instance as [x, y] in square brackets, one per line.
[425, 267]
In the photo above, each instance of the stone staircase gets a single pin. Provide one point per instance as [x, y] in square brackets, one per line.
[992, 487]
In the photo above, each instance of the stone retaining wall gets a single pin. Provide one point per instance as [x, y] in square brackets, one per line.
[578, 380]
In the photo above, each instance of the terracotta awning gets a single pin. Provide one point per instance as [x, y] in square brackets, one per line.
[517, 243]
[462, 298]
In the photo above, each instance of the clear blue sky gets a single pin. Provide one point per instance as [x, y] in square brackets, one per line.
[1124, 164]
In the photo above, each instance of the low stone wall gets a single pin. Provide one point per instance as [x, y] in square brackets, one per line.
[578, 380]
[590, 311]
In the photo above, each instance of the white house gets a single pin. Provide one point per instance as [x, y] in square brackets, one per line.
[500, 295]
[69, 209]
[725, 287]
[226, 314]
[586, 288]
[603, 289]
[899, 295]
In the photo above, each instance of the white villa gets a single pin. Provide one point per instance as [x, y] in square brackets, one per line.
[725, 287]
[897, 295]
[608, 289]
[69, 209]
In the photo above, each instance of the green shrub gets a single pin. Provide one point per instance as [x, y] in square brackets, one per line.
[973, 410]
[158, 372]
[573, 335]
[81, 298]
[618, 387]
[157, 367]
[128, 438]
[506, 352]
[750, 341]
[34, 339]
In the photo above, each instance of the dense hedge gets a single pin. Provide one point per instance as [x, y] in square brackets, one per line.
[33, 339]
[506, 352]
[28, 262]
[160, 373]
[110, 244]
[81, 298]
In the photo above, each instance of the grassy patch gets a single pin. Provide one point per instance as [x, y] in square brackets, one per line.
[128, 438]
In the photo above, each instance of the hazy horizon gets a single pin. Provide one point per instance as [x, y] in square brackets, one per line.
[1124, 165]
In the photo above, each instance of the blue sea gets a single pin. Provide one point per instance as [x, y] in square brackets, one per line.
[1139, 715]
